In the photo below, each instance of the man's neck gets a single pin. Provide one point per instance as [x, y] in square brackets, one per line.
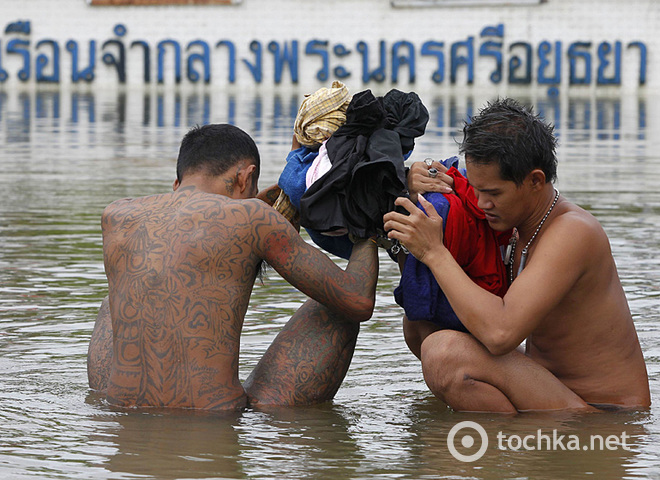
[221, 185]
[542, 205]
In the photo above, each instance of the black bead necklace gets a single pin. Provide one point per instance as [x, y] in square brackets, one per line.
[511, 251]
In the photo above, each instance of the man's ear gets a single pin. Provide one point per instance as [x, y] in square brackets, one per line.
[536, 179]
[245, 177]
[176, 184]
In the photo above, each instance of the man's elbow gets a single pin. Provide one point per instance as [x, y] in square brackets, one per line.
[363, 310]
[500, 342]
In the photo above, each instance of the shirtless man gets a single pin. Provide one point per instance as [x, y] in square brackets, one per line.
[180, 270]
[565, 297]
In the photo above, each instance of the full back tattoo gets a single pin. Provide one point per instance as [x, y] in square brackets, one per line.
[181, 267]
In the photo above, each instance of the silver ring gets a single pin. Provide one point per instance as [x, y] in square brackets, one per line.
[433, 172]
[428, 161]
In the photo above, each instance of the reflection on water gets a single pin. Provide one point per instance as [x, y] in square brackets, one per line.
[66, 155]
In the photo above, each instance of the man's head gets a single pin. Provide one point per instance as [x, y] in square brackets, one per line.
[506, 133]
[219, 150]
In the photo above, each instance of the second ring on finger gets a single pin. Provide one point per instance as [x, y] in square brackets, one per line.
[433, 172]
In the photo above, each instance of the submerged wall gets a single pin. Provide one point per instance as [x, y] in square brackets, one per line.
[606, 46]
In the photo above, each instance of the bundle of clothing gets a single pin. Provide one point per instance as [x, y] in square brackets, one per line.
[476, 247]
[343, 180]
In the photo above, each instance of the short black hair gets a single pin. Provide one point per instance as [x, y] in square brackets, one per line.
[511, 135]
[215, 148]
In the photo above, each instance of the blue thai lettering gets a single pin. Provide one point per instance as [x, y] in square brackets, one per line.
[43, 63]
[204, 57]
[378, 73]
[545, 51]
[493, 31]
[642, 60]
[162, 50]
[579, 50]
[20, 47]
[320, 48]
[118, 61]
[3, 73]
[398, 60]
[146, 59]
[283, 55]
[435, 49]
[257, 66]
[231, 49]
[493, 49]
[21, 26]
[87, 73]
[604, 49]
[340, 71]
[462, 59]
[516, 63]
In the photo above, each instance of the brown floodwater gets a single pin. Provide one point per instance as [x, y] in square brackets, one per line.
[66, 155]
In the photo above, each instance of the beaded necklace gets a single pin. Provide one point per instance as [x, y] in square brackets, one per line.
[511, 250]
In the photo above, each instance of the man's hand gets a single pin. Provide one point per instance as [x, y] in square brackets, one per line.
[419, 180]
[269, 194]
[419, 232]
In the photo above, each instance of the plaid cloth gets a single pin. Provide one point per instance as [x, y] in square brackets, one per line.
[321, 113]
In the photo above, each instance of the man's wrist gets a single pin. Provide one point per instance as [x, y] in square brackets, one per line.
[439, 256]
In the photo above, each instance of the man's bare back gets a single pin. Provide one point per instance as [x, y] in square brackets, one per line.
[180, 270]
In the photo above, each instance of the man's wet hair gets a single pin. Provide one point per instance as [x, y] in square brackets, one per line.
[511, 135]
[214, 149]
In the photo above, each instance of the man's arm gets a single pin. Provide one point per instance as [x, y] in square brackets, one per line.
[501, 324]
[269, 194]
[349, 292]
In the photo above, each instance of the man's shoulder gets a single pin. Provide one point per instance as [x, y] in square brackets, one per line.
[574, 218]
[128, 204]
[577, 230]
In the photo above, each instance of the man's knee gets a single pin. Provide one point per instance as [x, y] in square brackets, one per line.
[444, 356]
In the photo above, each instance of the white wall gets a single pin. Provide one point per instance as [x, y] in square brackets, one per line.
[339, 21]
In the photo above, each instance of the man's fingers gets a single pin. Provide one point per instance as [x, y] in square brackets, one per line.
[406, 204]
[430, 210]
[439, 167]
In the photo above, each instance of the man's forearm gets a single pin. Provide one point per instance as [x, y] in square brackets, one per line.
[480, 311]
[363, 266]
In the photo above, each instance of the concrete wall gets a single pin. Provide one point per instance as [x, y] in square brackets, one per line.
[341, 24]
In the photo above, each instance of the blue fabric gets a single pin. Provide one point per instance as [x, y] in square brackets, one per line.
[340, 246]
[292, 178]
[418, 292]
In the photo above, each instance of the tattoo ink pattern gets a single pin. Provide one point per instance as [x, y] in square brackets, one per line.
[180, 269]
[99, 354]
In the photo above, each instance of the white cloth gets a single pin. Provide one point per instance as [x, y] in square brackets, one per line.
[320, 166]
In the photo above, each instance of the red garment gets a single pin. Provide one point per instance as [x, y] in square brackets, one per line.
[471, 241]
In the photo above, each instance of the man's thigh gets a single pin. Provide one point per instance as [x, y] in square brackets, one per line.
[458, 367]
[307, 361]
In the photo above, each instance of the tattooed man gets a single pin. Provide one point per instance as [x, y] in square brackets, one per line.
[180, 270]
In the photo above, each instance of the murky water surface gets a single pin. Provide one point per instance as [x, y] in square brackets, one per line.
[66, 155]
